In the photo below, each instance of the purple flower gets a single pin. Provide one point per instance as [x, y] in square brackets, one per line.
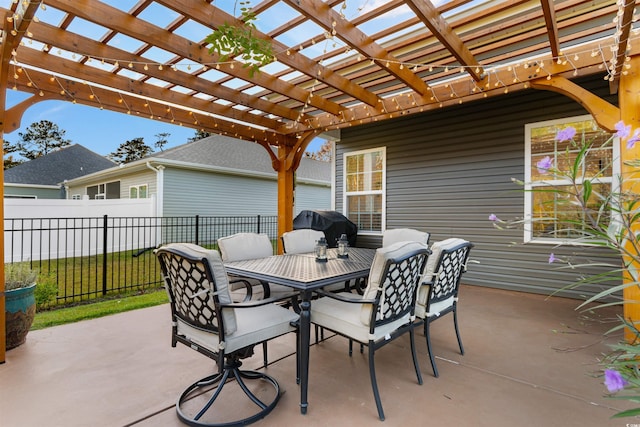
[544, 165]
[635, 138]
[566, 134]
[493, 218]
[552, 258]
[622, 130]
[613, 380]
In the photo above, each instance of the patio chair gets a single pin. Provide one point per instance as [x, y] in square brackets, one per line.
[300, 241]
[438, 294]
[205, 319]
[395, 235]
[384, 312]
[243, 246]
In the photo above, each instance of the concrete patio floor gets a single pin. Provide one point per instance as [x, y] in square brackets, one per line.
[529, 361]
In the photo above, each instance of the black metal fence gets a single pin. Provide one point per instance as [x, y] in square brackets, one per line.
[94, 257]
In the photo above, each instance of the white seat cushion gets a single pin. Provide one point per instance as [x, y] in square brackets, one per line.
[344, 318]
[255, 324]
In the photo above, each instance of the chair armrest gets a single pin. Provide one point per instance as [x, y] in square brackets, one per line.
[255, 303]
[356, 300]
[247, 285]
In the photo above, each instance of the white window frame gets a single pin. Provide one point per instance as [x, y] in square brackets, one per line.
[528, 186]
[138, 187]
[382, 191]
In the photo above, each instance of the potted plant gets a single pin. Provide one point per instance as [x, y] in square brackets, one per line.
[20, 304]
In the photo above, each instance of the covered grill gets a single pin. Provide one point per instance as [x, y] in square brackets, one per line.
[331, 223]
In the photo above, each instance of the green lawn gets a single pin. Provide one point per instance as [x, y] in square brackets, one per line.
[60, 316]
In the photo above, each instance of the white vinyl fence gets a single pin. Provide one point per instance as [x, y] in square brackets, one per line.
[37, 229]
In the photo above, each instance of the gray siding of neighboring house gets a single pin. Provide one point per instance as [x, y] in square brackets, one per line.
[40, 193]
[312, 197]
[136, 179]
[449, 169]
[188, 192]
[126, 181]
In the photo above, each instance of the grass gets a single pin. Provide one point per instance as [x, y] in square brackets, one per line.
[94, 309]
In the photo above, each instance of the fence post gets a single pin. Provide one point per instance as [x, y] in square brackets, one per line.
[258, 224]
[104, 255]
[197, 229]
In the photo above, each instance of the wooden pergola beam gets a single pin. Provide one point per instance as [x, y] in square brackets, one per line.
[429, 15]
[332, 22]
[549, 12]
[110, 17]
[604, 113]
[206, 14]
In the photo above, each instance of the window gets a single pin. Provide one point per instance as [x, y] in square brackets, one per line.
[549, 211]
[364, 189]
[138, 191]
[110, 190]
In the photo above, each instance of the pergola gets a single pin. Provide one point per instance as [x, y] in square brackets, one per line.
[335, 64]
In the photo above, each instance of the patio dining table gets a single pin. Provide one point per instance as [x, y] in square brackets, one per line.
[303, 273]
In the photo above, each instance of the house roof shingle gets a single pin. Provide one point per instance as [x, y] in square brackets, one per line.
[51, 169]
[227, 152]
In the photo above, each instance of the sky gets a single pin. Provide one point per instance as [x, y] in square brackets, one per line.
[98, 130]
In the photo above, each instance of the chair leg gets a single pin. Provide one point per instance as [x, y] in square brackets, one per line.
[264, 354]
[455, 322]
[230, 372]
[374, 383]
[431, 357]
[350, 348]
[414, 355]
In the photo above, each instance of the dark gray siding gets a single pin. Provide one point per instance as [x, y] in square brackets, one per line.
[449, 169]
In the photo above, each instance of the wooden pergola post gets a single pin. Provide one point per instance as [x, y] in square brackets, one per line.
[289, 157]
[286, 186]
[629, 100]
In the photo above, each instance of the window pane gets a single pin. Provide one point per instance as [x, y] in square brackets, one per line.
[113, 190]
[598, 160]
[365, 211]
[92, 191]
[133, 193]
[143, 191]
[556, 215]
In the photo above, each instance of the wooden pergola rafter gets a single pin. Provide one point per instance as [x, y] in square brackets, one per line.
[337, 63]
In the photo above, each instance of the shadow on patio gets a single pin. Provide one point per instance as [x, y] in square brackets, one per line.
[528, 362]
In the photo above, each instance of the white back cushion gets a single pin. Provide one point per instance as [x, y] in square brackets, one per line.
[219, 275]
[242, 246]
[396, 235]
[376, 274]
[436, 250]
[301, 241]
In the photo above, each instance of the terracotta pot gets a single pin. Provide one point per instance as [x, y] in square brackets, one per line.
[20, 309]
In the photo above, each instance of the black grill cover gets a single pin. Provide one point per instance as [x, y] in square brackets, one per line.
[332, 223]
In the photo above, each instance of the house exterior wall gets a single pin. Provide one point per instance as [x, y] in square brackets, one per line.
[26, 191]
[449, 169]
[188, 192]
[147, 177]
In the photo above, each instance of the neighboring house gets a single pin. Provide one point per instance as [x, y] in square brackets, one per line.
[445, 171]
[43, 178]
[214, 176]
